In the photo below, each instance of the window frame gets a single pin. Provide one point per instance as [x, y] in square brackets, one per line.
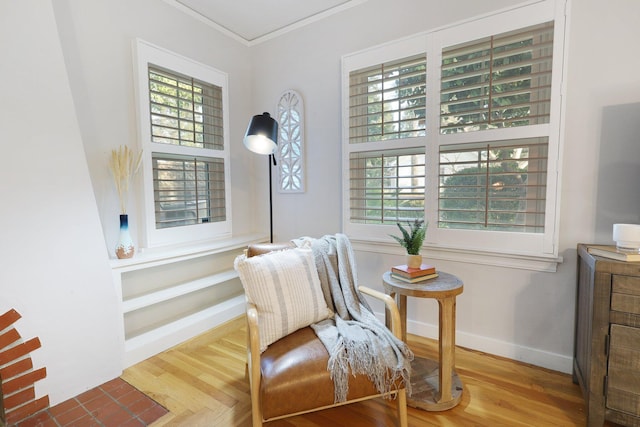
[454, 242]
[146, 53]
[387, 53]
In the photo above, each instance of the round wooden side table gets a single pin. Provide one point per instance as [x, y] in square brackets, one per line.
[435, 384]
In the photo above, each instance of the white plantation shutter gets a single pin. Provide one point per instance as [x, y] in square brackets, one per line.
[184, 111]
[387, 104]
[484, 127]
[494, 186]
[188, 191]
[387, 186]
[388, 101]
[498, 81]
[183, 115]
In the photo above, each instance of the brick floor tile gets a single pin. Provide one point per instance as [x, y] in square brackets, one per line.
[152, 414]
[63, 407]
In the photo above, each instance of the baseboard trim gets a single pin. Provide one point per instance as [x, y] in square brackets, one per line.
[537, 357]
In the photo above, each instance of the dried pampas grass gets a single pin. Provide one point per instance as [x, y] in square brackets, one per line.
[124, 165]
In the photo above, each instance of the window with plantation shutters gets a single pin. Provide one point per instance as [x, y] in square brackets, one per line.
[387, 186]
[188, 191]
[184, 111]
[493, 186]
[183, 121]
[387, 101]
[387, 110]
[498, 81]
[460, 126]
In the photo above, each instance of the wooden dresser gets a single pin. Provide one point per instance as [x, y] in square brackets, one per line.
[607, 342]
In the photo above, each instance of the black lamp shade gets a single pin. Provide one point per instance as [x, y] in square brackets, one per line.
[262, 134]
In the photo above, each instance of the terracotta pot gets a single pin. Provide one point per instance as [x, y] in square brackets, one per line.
[414, 261]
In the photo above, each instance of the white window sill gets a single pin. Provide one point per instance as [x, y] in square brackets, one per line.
[523, 262]
[149, 257]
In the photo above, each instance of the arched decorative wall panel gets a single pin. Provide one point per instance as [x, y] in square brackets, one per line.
[290, 116]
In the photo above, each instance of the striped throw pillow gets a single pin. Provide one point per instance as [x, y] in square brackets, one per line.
[285, 288]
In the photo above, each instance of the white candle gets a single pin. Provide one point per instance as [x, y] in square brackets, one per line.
[627, 236]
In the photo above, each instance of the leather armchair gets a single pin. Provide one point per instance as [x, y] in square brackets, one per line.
[290, 377]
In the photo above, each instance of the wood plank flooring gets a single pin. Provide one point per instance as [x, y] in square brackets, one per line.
[202, 383]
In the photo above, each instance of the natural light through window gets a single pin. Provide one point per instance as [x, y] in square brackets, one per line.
[460, 127]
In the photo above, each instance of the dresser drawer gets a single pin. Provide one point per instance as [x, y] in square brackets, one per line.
[623, 389]
[625, 294]
[625, 284]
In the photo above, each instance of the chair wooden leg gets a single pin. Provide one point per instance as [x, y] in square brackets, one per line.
[256, 419]
[254, 389]
[256, 415]
[402, 407]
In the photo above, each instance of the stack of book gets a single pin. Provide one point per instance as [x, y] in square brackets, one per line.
[407, 274]
[610, 251]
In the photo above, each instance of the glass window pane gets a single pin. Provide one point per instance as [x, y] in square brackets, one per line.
[188, 191]
[497, 82]
[387, 186]
[396, 88]
[496, 186]
[173, 95]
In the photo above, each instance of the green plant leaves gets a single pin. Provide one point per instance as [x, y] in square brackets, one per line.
[413, 238]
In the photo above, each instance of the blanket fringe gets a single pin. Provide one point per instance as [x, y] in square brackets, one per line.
[357, 342]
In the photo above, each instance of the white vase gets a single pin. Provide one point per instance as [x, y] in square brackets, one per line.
[414, 261]
[124, 248]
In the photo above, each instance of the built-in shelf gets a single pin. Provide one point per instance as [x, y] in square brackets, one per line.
[170, 295]
[145, 345]
[177, 291]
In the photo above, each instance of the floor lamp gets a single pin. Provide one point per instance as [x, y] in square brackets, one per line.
[262, 138]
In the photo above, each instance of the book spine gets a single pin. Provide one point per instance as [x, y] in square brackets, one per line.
[414, 274]
[415, 279]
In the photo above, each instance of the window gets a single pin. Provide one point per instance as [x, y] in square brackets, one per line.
[386, 141]
[498, 81]
[387, 101]
[468, 138]
[188, 191]
[186, 157]
[290, 110]
[387, 186]
[498, 187]
[184, 111]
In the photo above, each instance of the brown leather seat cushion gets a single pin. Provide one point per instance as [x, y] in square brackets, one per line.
[294, 371]
[263, 248]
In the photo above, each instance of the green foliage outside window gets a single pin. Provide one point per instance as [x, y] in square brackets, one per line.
[495, 194]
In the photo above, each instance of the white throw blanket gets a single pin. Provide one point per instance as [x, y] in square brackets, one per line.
[357, 342]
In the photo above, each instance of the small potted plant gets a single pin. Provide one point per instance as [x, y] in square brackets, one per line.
[412, 240]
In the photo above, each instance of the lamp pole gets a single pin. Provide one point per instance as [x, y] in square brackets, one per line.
[271, 158]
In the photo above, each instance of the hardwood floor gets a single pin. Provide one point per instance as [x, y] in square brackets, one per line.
[202, 383]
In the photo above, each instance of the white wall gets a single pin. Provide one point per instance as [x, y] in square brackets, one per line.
[521, 314]
[54, 271]
[97, 39]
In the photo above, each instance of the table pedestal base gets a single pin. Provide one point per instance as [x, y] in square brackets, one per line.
[425, 386]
